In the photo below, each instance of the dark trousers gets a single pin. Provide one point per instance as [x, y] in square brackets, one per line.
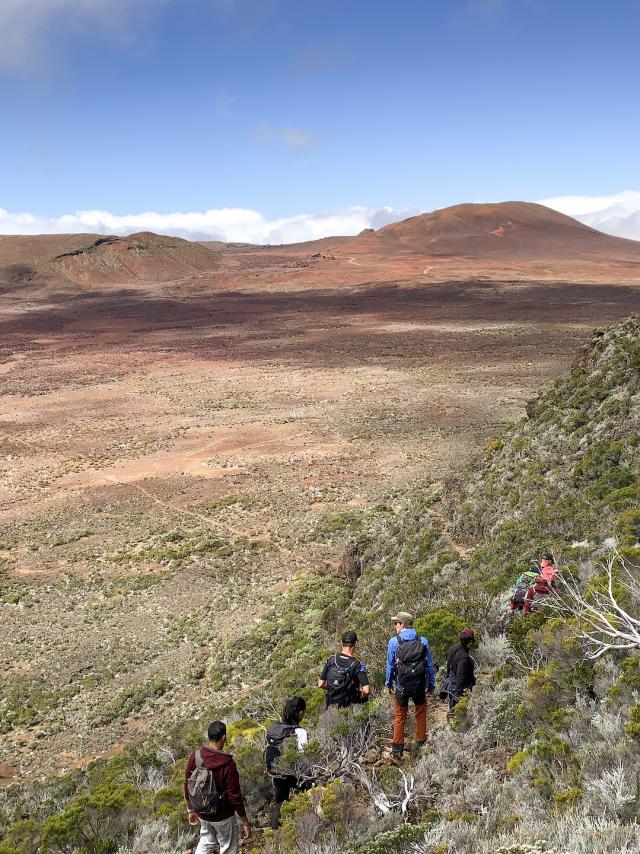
[282, 787]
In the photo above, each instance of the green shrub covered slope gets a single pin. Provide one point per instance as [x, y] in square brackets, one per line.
[543, 757]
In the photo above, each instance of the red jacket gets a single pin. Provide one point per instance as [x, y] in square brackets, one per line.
[227, 780]
[538, 590]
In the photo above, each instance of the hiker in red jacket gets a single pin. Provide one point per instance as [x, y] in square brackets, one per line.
[548, 569]
[536, 594]
[219, 828]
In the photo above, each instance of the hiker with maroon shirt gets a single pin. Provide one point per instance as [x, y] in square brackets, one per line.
[221, 827]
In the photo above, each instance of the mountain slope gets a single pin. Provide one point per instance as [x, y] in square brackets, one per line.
[92, 259]
[518, 230]
[141, 256]
[545, 752]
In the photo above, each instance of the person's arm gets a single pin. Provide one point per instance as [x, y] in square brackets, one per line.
[322, 679]
[191, 764]
[302, 737]
[232, 789]
[431, 671]
[233, 796]
[363, 680]
[391, 663]
[461, 673]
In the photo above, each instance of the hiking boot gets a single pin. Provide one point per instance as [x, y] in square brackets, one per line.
[396, 756]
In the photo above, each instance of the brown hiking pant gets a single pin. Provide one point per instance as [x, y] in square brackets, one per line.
[400, 718]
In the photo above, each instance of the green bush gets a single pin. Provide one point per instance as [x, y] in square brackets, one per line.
[441, 627]
[632, 727]
[399, 840]
[130, 700]
[628, 527]
[339, 523]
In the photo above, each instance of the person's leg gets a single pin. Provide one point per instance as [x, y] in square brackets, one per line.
[453, 699]
[421, 721]
[275, 815]
[281, 789]
[228, 835]
[208, 840]
[400, 709]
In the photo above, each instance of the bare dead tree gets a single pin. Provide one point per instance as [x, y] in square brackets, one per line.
[528, 661]
[262, 708]
[164, 751]
[605, 624]
[342, 752]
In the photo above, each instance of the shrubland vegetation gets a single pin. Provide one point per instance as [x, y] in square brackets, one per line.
[543, 757]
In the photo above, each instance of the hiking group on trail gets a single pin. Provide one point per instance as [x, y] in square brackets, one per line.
[211, 782]
[212, 785]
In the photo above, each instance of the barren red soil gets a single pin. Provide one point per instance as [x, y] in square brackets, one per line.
[248, 403]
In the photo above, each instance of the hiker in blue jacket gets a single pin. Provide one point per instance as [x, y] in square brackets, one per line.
[410, 676]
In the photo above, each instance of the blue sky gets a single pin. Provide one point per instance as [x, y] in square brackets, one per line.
[288, 107]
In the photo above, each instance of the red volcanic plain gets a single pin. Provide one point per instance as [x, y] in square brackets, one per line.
[183, 423]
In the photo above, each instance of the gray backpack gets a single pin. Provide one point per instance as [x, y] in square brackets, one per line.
[204, 797]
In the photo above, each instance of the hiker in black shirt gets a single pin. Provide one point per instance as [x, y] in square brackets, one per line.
[277, 734]
[345, 677]
[460, 667]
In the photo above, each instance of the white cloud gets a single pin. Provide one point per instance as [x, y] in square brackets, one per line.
[297, 140]
[31, 30]
[229, 224]
[618, 214]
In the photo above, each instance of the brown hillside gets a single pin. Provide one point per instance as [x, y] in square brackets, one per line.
[139, 257]
[24, 258]
[95, 259]
[517, 230]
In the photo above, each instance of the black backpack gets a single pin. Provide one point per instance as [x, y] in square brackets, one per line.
[204, 797]
[410, 661]
[341, 682]
[276, 735]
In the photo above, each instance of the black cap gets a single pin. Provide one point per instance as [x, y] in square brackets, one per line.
[349, 638]
[548, 556]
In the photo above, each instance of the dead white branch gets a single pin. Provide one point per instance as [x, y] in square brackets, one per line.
[531, 661]
[409, 782]
[605, 624]
[370, 784]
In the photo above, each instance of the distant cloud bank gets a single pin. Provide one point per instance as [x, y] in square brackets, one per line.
[618, 214]
[237, 225]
